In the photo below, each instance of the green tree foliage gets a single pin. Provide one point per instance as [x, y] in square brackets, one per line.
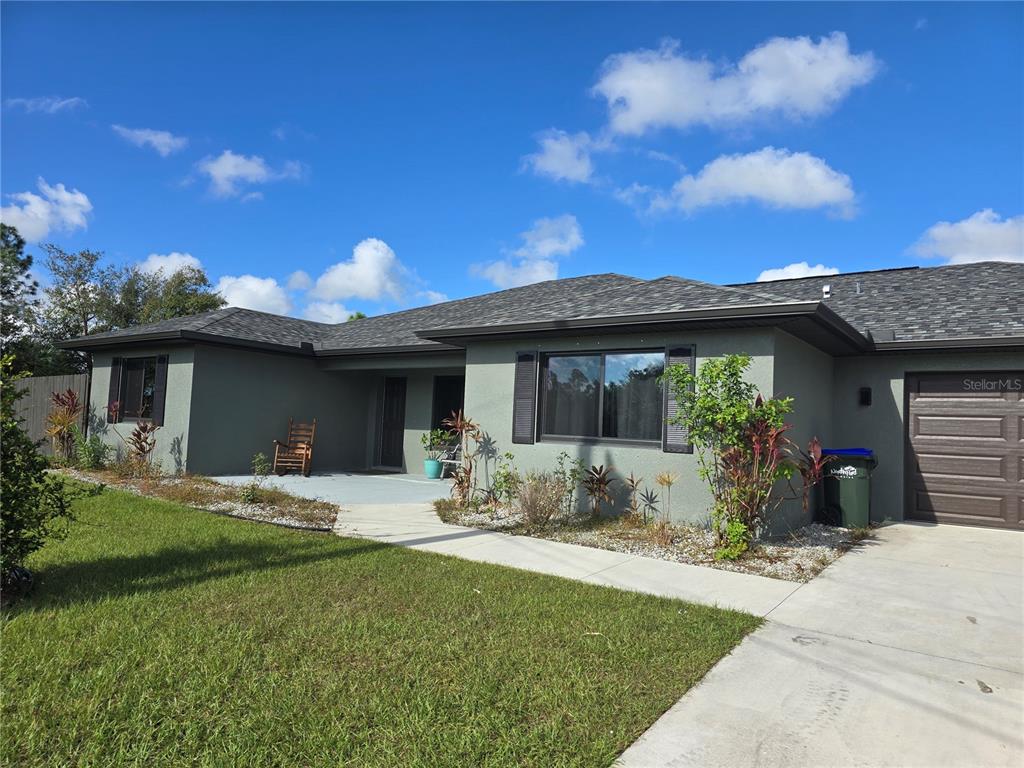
[35, 505]
[357, 315]
[84, 297]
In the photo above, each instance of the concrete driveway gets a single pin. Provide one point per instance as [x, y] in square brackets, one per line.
[348, 488]
[906, 652]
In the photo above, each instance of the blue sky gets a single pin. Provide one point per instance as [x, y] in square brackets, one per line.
[322, 158]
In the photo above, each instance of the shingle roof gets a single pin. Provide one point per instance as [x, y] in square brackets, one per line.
[960, 301]
[971, 300]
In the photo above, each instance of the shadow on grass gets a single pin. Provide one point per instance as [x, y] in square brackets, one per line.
[174, 567]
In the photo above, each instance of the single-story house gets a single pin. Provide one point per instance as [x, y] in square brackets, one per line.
[923, 365]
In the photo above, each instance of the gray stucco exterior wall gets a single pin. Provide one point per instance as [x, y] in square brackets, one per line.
[490, 370]
[172, 438]
[881, 425]
[242, 400]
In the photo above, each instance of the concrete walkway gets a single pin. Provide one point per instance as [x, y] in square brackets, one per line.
[906, 652]
[345, 488]
[416, 526]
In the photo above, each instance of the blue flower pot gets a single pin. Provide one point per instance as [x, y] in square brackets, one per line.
[432, 468]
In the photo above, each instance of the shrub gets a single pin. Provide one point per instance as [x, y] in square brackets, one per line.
[90, 453]
[540, 499]
[570, 473]
[251, 492]
[35, 505]
[661, 533]
[465, 430]
[597, 482]
[447, 510]
[743, 450]
[506, 481]
[61, 422]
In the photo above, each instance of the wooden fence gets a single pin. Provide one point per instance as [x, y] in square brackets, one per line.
[34, 406]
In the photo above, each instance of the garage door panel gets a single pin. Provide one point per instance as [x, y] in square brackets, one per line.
[962, 466]
[965, 435]
[989, 427]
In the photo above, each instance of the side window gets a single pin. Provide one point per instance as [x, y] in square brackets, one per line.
[138, 387]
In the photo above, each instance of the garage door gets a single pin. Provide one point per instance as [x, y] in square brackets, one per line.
[965, 457]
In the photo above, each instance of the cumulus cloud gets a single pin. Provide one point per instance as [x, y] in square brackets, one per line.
[562, 156]
[432, 297]
[164, 142]
[230, 173]
[49, 105]
[299, 281]
[984, 236]
[773, 177]
[795, 270]
[326, 312]
[535, 260]
[791, 76]
[168, 263]
[373, 272]
[250, 292]
[55, 208]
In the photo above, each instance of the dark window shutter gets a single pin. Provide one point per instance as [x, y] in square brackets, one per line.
[114, 406]
[524, 399]
[160, 390]
[676, 438]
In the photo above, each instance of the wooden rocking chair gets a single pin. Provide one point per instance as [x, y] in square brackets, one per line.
[297, 452]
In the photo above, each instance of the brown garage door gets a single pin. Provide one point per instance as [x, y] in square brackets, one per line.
[965, 457]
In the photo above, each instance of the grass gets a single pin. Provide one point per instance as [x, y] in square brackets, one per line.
[159, 635]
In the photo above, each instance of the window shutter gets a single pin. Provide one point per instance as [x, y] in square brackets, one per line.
[676, 438]
[524, 399]
[114, 408]
[160, 390]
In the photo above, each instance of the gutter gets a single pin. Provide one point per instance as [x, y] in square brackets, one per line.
[961, 342]
[305, 349]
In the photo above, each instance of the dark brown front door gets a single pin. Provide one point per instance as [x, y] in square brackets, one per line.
[965, 448]
[392, 432]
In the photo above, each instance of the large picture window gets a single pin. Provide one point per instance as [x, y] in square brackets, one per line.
[614, 395]
[138, 386]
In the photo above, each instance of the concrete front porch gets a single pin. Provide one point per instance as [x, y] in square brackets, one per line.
[355, 488]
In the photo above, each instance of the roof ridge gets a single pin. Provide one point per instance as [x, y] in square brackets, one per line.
[725, 287]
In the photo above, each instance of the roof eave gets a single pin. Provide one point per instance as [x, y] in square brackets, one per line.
[88, 343]
[962, 342]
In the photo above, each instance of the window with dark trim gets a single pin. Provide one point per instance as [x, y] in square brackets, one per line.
[138, 387]
[607, 395]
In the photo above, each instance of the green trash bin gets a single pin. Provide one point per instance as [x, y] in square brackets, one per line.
[848, 486]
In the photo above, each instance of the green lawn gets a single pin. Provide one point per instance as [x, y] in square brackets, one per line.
[160, 635]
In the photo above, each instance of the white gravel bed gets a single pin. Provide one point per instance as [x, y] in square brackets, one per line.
[800, 556]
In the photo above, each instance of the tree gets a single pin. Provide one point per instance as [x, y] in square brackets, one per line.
[186, 291]
[73, 299]
[17, 288]
[35, 505]
[357, 315]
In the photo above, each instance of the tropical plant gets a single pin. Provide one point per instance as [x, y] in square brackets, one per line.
[666, 480]
[811, 466]
[435, 443]
[35, 504]
[661, 534]
[250, 492]
[91, 452]
[649, 499]
[743, 450]
[569, 472]
[506, 481]
[466, 431]
[632, 482]
[140, 444]
[597, 482]
[65, 414]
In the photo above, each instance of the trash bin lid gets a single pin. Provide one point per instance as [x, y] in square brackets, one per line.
[866, 452]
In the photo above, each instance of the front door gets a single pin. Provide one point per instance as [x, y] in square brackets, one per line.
[392, 431]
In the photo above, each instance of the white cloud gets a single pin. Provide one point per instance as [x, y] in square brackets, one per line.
[535, 260]
[326, 312]
[49, 105]
[373, 272]
[776, 178]
[562, 157]
[229, 172]
[795, 77]
[168, 263]
[299, 281]
[557, 236]
[432, 297]
[984, 236]
[251, 292]
[795, 270]
[164, 142]
[512, 274]
[56, 208]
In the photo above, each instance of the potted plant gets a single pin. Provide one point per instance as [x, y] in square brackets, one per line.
[435, 442]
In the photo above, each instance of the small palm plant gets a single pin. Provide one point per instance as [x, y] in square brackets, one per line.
[633, 485]
[466, 430]
[597, 482]
[649, 499]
